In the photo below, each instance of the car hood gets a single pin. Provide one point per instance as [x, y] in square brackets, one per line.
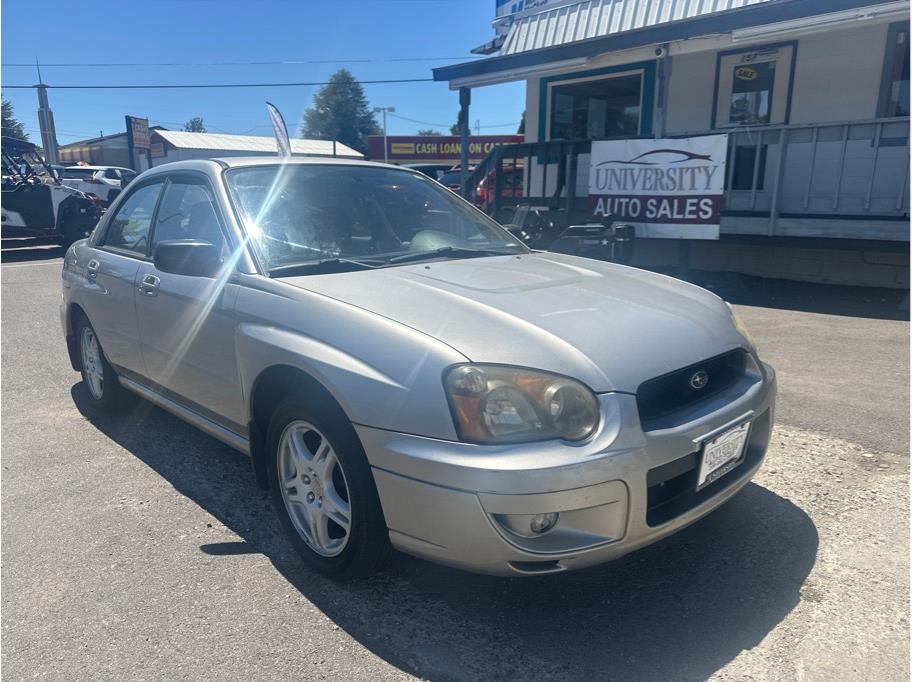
[608, 325]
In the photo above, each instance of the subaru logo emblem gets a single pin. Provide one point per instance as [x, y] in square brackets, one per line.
[699, 379]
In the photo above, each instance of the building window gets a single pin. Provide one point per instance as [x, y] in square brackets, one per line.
[597, 108]
[895, 86]
[752, 93]
[753, 86]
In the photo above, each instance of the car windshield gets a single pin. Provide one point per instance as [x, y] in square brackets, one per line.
[300, 214]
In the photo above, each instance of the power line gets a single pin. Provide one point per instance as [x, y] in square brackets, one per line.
[500, 125]
[282, 62]
[59, 133]
[425, 123]
[212, 85]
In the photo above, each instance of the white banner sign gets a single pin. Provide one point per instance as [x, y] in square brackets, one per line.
[667, 188]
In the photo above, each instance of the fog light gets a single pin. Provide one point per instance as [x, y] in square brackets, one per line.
[542, 523]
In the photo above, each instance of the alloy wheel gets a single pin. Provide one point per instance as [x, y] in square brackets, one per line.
[314, 488]
[91, 363]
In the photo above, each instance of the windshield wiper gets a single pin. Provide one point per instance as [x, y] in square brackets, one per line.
[325, 265]
[450, 251]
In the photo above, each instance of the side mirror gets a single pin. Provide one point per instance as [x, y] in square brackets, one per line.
[190, 257]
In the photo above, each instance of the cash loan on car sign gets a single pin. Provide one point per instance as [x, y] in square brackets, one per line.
[665, 187]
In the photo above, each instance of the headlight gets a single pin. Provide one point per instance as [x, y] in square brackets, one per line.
[497, 404]
[742, 329]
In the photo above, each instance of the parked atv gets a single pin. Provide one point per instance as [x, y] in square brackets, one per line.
[34, 202]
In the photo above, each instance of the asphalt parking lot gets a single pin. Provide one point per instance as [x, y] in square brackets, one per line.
[140, 548]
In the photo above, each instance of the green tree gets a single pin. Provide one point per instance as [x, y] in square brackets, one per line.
[427, 131]
[522, 125]
[195, 125]
[12, 126]
[341, 112]
[454, 129]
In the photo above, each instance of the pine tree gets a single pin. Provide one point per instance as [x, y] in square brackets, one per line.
[195, 125]
[12, 126]
[340, 112]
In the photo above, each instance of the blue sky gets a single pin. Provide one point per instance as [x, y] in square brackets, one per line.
[231, 31]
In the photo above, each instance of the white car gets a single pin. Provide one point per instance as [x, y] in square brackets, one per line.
[105, 182]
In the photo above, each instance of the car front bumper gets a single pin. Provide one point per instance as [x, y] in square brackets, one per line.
[453, 502]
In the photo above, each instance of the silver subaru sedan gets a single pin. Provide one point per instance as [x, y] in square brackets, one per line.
[404, 373]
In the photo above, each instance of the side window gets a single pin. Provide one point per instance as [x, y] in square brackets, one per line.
[111, 174]
[130, 227]
[187, 212]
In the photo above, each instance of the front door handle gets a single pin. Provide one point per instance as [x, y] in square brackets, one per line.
[149, 285]
[92, 269]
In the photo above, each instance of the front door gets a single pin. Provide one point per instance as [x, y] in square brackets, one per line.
[111, 273]
[186, 324]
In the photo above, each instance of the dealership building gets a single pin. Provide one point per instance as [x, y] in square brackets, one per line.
[812, 95]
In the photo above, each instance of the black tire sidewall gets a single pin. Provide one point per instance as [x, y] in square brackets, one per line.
[368, 541]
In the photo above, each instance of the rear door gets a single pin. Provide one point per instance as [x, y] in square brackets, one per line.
[186, 324]
[111, 273]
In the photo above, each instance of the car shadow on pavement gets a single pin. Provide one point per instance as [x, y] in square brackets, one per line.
[680, 609]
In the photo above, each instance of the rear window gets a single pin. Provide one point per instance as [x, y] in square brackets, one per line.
[78, 173]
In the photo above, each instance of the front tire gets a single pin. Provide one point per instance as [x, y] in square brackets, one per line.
[323, 490]
[105, 394]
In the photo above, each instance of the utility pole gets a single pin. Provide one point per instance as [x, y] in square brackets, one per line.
[478, 126]
[385, 110]
[46, 120]
[465, 98]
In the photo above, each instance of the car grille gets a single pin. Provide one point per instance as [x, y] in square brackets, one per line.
[671, 489]
[665, 395]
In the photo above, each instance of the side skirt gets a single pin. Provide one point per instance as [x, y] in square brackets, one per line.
[230, 438]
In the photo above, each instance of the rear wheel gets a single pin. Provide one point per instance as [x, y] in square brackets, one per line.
[323, 489]
[104, 390]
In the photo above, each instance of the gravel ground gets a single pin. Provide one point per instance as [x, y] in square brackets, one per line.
[139, 548]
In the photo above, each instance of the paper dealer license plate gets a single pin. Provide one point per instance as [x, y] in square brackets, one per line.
[722, 454]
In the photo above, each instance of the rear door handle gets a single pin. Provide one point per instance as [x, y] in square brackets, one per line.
[149, 285]
[92, 269]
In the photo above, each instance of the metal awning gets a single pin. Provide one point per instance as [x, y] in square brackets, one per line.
[574, 32]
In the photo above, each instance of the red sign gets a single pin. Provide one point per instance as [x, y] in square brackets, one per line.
[417, 148]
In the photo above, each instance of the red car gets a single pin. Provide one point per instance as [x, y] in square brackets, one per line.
[511, 185]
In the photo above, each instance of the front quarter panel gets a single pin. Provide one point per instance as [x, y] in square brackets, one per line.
[382, 373]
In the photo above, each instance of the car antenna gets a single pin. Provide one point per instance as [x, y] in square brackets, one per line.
[279, 130]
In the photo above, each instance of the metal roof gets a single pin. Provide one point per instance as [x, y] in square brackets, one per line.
[536, 37]
[252, 143]
[568, 23]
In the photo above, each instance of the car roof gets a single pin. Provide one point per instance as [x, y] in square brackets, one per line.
[273, 160]
[77, 166]
[216, 165]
